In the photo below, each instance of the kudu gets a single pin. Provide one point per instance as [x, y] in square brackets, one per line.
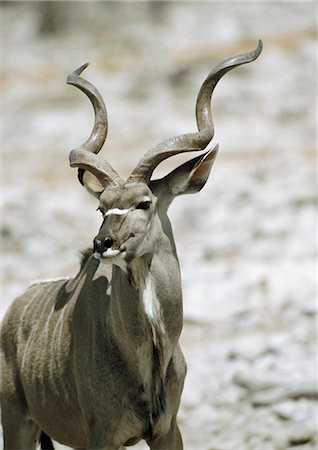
[93, 361]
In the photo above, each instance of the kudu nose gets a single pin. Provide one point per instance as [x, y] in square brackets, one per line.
[101, 245]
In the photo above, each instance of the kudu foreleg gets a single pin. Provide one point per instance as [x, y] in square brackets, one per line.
[19, 432]
[172, 440]
[46, 442]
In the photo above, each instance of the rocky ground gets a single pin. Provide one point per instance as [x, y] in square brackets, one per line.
[246, 242]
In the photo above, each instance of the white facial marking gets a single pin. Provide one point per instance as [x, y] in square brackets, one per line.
[117, 212]
[110, 253]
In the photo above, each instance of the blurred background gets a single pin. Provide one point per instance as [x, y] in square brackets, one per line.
[246, 242]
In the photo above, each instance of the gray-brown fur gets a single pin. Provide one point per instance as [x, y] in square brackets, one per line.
[94, 361]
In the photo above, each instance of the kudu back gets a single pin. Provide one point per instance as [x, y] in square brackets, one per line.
[93, 361]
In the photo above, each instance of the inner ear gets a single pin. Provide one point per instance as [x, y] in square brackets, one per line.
[188, 178]
[90, 182]
[191, 176]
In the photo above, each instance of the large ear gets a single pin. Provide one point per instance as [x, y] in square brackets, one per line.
[90, 182]
[188, 178]
[94, 173]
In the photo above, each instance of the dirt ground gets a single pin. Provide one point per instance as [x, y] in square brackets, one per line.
[246, 243]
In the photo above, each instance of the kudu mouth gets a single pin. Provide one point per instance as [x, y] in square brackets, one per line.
[106, 248]
[108, 254]
[109, 249]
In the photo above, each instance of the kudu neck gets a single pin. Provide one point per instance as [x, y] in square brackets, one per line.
[148, 290]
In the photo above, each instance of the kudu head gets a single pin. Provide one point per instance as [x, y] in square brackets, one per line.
[133, 209]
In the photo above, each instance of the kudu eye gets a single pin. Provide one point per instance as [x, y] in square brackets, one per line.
[144, 204]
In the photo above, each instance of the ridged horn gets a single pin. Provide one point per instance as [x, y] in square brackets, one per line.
[193, 141]
[85, 157]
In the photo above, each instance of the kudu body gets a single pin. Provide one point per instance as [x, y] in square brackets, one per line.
[94, 361]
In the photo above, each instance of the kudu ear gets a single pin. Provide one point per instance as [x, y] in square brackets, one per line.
[188, 178]
[90, 182]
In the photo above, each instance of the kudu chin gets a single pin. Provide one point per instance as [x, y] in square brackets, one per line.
[93, 361]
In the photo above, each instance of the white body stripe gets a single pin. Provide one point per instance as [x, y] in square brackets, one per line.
[152, 309]
[48, 280]
[151, 303]
[150, 300]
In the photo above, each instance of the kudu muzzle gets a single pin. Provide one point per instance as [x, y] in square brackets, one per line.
[112, 235]
[102, 244]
